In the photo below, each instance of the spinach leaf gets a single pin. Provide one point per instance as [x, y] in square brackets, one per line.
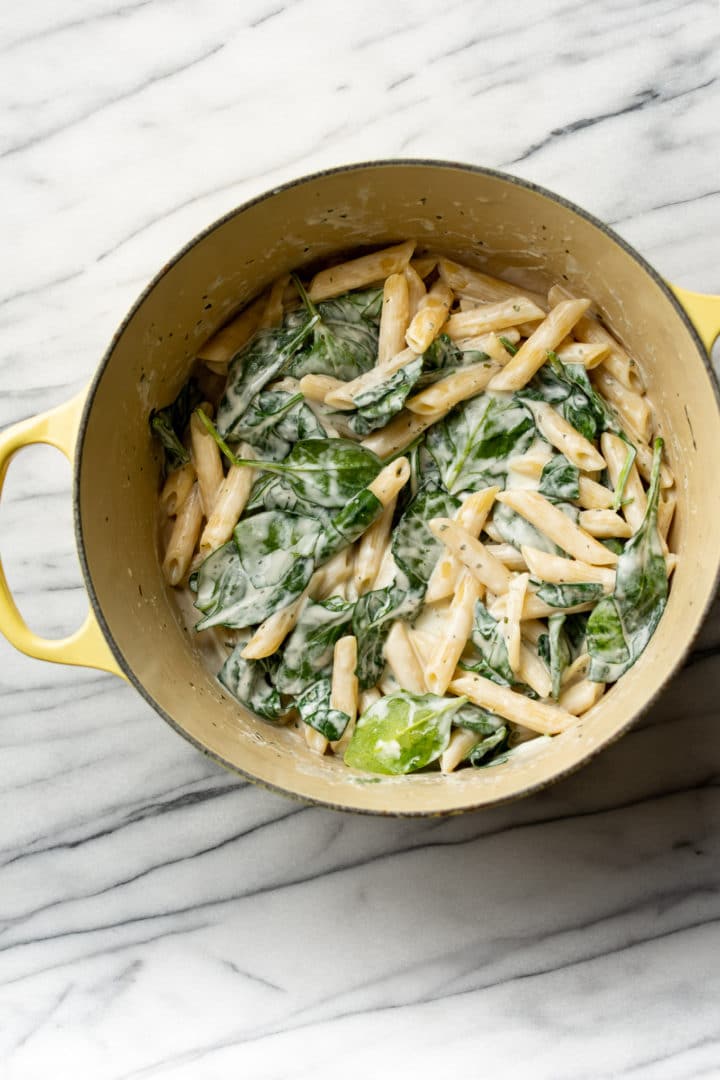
[308, 651]
[443, 357]
[613, 544]
[560, 479]
[315, 709]
[265, 356]
[568, 386]
[484, 751]
[264, 567]
[512, 349]
[373, 616]
[274, 421]
[515, 530]
[169, 424]
[554, 649]
[344, 336]
[564, 596]
[491, 656]
[402, 732]
[376, 406]
[251, 682]
[475, 718]
[414, 547]
[348, 524]
[471, 446]
[621, 625]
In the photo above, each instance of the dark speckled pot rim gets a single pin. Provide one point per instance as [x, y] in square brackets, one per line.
[87, 408]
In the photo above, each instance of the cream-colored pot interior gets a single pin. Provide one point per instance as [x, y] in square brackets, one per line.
[488, 221]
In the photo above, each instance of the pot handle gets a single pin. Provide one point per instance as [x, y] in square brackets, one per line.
[703, 311]
[87, 647]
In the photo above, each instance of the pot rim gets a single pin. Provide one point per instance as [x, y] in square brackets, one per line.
[378, 163]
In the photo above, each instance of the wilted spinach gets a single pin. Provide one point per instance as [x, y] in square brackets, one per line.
[443, 357]
[560, 479]
[343, 341]
[308, 651]
[373, 616]
[621, 625]
[471, 446]
[555, 650]
[168, 424]
[274, 421]
[414, 547]
[251, 682]
[487, 749]
[490, 657]
[378, 404]
[565, 596]
[515, 530]
[402, 733]
[315, 709]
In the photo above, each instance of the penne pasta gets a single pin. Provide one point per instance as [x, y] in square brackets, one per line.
[632, 408]
[446, 393]
[581, 696]
[390, 480]
[442, 665]
[176, 489]
[395, 318]
[471, 516]
[472, 283]
[516, 592]
[497, 316]
[416, 290]
[543, 718]
[556, 569]
[371, 548]
[563, 436]
[272, 314]
[423, 265]
[344, 686]
[461, 743]
[491, 344]
[533, 352]
[232, 497]
[594, 496]
[533, 672]
[579, 352]
[183, 538]
[360, 272]
[207, 462]
[429, 318]
[222, 346]
[399, 433]
[554, 524]
[315, 740]
[508, 556]
[343, 395]
[402, 659]
[533, 462]
[317, 387]
[589, 330]
[472, 553]
[643, 462]
[666, 510]
[604, 524]
[634, 501]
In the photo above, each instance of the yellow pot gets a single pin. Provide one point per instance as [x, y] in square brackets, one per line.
[480, 216]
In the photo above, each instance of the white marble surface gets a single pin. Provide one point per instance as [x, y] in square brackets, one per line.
[158, 918]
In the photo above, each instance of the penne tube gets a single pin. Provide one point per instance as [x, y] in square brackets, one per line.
[472, 553]
[594, 496]
[644, 460]
[554, 524]
[532, 671]
[516, 592]
[533, 629]
[390, 480]
[399, 433]
[272, 314]
[271, 633]
[579, 352]
[491, 344]
[539, 716]
[472, 283]
[442, 665]
[666, 510]
[344, 685]
[446, 393]
[423, 265]
[604, 524]
[368, 698]
[394, 319]
[590, 331]
[183, 538]
[563, 436]
[429, 318]
[472, 516]
[634, 500]
[232, 497]
[335, 572]
[222, 346]
[581, 696]
[535, 608]
[576, 671]
[317, 387]
[416, 290]
[343, 396]
[176, 489]
[315, 740]
[207, 462]
[533, 462]
[560, 571]
[462, 740]
[370, 549]
[402, 659]
[632, 408]
[357, 273]
[497, 316]
[532, 353]
[508, 556]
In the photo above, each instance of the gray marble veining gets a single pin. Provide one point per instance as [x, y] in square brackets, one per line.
[159, 918]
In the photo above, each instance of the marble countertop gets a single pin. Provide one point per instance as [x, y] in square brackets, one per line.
[158, 917]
